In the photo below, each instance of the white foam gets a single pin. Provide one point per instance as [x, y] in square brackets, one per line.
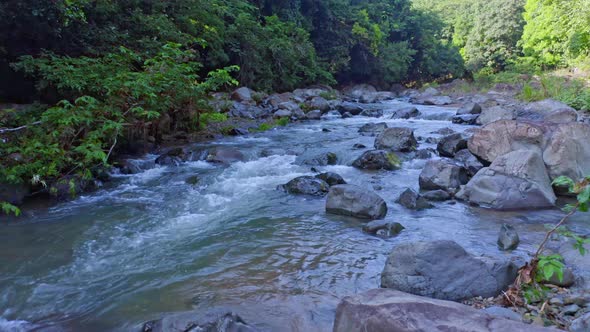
[15, 325]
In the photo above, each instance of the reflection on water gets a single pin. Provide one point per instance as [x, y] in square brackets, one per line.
[151, 244]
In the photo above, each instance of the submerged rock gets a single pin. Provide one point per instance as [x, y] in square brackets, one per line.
[471, 109]
[354, 201]
[307, 185]
[196, 322]
[444, 270]
[406, 113]
[382, 310]
[383, 228]
[373, 129]
[372, 113]
[449, 145]
[508, 238]
[328, 158]
[378, 159]
[396, 139]
[224, 155]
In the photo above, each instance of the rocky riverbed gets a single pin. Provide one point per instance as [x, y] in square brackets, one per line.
[271, 230]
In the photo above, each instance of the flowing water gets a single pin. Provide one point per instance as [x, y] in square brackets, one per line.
[151, 244]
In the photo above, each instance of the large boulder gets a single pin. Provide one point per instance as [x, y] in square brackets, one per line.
[192, 321]
[448, 146]
[331, 179]
[412, 200]
[467, 119]
[239, 110]
[443, 175]
[501, 137]
[323, 159]
[568, 151]
[309, 92]
[354, 201]
[243, 95]
[387, 310]
[348, 107]
[442, 269]
[307, 185]
[372, 128]
[548, 110]
[378, 159]
[470, 108]
[396, 139]
[319, 103]
[360, 91]
[493, 114]
[516, 180]
[469, 162]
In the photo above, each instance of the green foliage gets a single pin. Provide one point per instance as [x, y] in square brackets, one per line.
[122, 95]
[329, 95]
[549, 266]
[207, 118]
[8, 208]
[282, 122]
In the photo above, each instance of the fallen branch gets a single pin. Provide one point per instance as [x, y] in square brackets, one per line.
[9, 130]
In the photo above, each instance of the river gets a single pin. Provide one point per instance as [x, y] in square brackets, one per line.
[150, 244]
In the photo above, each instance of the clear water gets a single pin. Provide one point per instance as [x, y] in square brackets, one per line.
[150, 244]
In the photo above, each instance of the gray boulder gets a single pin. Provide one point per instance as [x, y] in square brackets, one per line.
[442, 269]
[501, 137]
[568, 151]
[548, 110]
[387, 310]
[348, 107]
[449, 145]
[372, 113]
[493, 114]
[191, 321]
[508, 238]
[516, 180]
[324, 159]
[319, 103]
[354, 201]
[471, 108]
[502, 312]
[467, 119]
[314, 115]
[406, 113]
[396, 139]
[469, 162]
[307, 185]
[243, 95]
[377, 159]
[383, 228]
[372, 129]
[360, 90]
[331, 179]
[436, 195]
[282, 114]
[411, 200]
[581, 324]
[443, 175]
[308, 93]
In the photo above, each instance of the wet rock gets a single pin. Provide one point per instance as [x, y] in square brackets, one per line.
[224, 155]
[70, 187]
[328, 158]
[378, 159]
[372, 113]
[501, 137]
[326, 130]
[444, 270]
[389, 310]
[331, 179]
[444, 131]
[350, 200]
[383, 228]
[424, 154]
[571, 309]
[13, 193]
[443, 175]
[290, 106]
[331, 115]
[548, 110]
[282, 114]
[167, 160]
[307, 185]
[396, 139]
[508, 238]
[432, 100]
[243, 95]
[581, 324]
[314, 115]
[373, 129]
[516, 180]
[449, 145]
[466, 119]
[239, 110]
[469, 109]
[359, 91]
[493, 114]
[319, 103]
[359, 146]
[196, 322]
[352, 108]
[193, 180]
[568, 152]
[411, 200]
[346, 115]
[436, 195]
[274, 100]
[128, 166]
[406, 113]
[237, 132]
[469, 162]
[501, 312]
[309, 93]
